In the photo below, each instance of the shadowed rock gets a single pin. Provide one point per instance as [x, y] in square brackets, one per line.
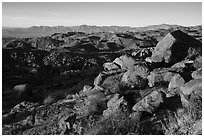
[175, 47]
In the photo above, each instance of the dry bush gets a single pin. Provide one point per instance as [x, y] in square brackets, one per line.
[117, 124]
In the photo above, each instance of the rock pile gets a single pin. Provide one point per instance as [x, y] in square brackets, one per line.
[124, 86]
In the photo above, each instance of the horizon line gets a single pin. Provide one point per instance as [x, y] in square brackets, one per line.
[100, 25]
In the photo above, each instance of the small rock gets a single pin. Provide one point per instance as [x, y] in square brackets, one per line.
[148, 59]
[125, 62]
[98, 80]
[174, 85]
[110, 66]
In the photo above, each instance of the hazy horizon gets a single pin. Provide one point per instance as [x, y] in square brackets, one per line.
[98, 26]
[136, 14]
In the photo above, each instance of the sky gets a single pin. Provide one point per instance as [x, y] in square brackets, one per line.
[136, 14]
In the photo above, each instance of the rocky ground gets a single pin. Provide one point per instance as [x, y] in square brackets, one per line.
[104, 83]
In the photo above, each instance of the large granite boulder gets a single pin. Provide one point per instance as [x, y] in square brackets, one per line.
[169, 49]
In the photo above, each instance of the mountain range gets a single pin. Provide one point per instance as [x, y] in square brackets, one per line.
[36, 31]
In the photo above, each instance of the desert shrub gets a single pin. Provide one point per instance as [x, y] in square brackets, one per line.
[116, 124]
[180, 122]
[49, 99]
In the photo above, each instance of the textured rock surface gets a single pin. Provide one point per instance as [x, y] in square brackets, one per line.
[97, 83]
[197, 74]
[168, 49]
[159, 76]
[149, 103]
[125, 62]
[110, 66]
[191, 86]
[174, 85]
[133, 80]
[136, 77]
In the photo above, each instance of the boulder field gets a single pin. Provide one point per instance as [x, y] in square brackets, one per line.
[162, 94]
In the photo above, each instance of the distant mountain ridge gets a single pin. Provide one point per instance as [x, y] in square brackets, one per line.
[36, 31]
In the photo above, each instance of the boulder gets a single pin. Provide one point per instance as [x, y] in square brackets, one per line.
[159, 76]
[191, 93]
[136, 77]
[197, 74]
[191, 86]
[116, 104]
[133, 81]
[105, 74]
[149, 103]
[169, 49]
[125, 62]
[174, 85]
[112, 83]
[110, 66]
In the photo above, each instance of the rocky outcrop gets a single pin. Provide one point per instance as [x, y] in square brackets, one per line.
[169, 49]
[125, 90]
